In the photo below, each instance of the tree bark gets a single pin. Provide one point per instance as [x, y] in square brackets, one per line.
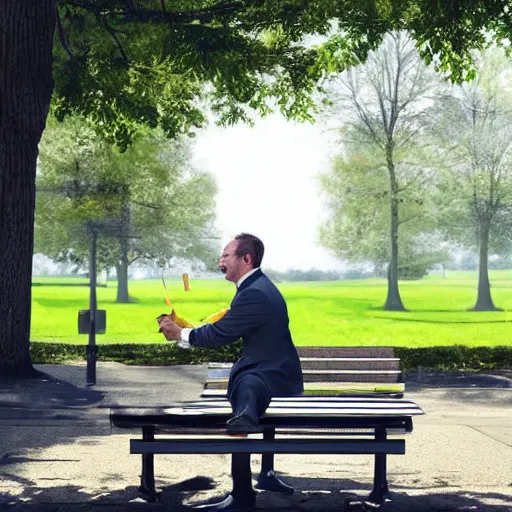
[124, 246]
[123, 296]
[484, 300]
[393, 299]
[26, 40]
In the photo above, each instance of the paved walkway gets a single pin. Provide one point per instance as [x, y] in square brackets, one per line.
[58, 452]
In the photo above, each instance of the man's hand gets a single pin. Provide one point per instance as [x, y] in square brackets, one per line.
[171, 330]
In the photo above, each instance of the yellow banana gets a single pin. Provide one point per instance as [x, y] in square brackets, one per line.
[210, 319]
[179, 320]
[215, 317]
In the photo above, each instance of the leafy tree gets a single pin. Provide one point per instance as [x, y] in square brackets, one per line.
[385, 102]
[474, 130]
[149, 61]
[153, 205]
[357, 230]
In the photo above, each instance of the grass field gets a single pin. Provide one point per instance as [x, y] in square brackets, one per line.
[321, 313]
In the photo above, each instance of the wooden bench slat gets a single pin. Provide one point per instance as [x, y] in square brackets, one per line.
[290, 446]
[333, 377]
[318, 405]
[161, 420]
[331, 388]
[304, 411]
[303, 401]
[322, 398]
[314, 359]
[400, 408]
[326, 351]
[289, 432]
[223, 377]
[351, 359]
[361, 386]
[356, 393]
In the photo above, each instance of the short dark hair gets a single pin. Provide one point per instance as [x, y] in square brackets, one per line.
[252, 245]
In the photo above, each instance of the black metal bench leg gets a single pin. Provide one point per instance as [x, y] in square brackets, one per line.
[380, 490]
[267, 479]
[267, 459]
[147, 489]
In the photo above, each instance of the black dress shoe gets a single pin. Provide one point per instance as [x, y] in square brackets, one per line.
[242, 424]
[230, 504]
[271, 482]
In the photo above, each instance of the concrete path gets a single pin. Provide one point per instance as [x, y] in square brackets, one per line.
[58, 452]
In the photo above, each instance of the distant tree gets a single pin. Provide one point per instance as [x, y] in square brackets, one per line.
[161, 207]
[474, 131]
[385, 104]
[358, 226]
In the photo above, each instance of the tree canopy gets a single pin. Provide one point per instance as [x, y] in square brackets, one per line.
[475, 142]
[159, 61]
[161, 205]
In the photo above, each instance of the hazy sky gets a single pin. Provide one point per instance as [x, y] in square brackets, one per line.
[267, 183]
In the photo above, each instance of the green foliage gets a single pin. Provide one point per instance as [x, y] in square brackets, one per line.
[456, 357]
[157, 62]
[157, 206]
[420, 253]
[133, 353]
[357, 198]
[452, 358]
[413, 271]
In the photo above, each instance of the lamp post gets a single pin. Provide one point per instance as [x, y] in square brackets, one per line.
[91, 346]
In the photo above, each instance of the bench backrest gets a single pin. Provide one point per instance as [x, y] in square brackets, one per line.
[333, 370]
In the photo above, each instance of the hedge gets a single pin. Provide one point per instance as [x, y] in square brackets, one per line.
[157, 354]
[451, 358]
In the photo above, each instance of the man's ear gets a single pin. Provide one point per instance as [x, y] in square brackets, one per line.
[247, 258]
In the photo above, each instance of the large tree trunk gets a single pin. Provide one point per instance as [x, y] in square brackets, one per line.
[484, 300]
[393, 299]
[26, 37]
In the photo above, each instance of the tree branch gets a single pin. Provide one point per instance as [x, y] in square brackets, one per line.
[147, 205]
[113, 33]
[205, 15]
[62, 36]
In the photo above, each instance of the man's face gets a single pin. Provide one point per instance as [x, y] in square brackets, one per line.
[230, 264]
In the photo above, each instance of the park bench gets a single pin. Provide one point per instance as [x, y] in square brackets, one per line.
[357, 371]
[358, 423]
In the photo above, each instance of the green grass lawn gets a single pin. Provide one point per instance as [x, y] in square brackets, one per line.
[321, 313]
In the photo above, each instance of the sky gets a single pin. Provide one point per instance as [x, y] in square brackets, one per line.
[267, 185]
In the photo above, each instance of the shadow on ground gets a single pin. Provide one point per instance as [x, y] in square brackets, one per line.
[418, 380]
[43, 390]
[55, 407]
[182, 496]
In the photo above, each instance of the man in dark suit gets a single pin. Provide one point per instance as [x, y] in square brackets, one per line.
[269, 365]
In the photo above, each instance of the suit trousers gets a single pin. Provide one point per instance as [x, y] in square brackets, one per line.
[250, 397]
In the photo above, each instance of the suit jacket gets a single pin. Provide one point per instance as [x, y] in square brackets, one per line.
[258, 314]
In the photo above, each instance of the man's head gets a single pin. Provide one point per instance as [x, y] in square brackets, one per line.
[242, 254]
